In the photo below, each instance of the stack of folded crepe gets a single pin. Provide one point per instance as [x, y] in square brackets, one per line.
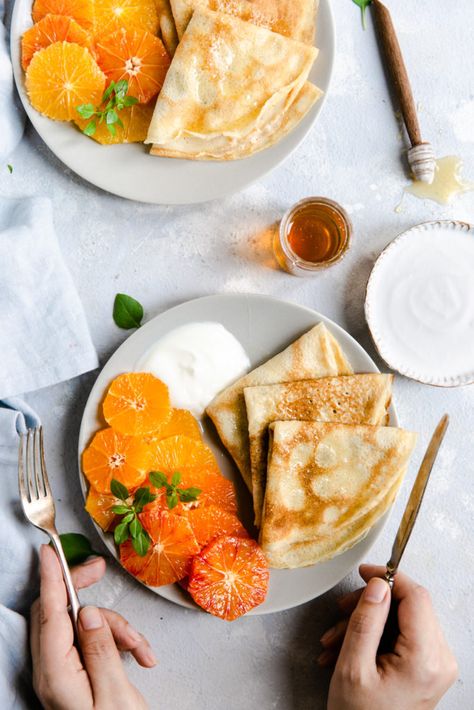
[310, 441]
[237, 82]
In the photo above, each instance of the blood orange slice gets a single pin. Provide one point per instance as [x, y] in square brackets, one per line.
[209, 522]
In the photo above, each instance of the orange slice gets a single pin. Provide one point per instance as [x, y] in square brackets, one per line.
[210, 521]
[80, 10]
[135, 119]
[137, 403]
[110, 15]
[112, 455]
[229, 577]
[135, 56]
[52, 28]
[61, 77]
[181, 422]
[170, 553]
[99, 505]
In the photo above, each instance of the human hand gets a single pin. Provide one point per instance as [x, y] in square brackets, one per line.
[414, 676]
[61, 678]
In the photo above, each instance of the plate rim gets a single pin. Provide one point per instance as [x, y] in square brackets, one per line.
[370, 292]
[306, 124]
[184, 602]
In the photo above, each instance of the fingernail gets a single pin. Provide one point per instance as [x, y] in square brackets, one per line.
[91, 618]
[133, 635]
[328, 636]
[150, 657]
[376, 590]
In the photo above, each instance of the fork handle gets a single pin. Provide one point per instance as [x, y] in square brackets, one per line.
[72, 594]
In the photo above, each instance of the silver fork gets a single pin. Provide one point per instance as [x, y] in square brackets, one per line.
[38, 503]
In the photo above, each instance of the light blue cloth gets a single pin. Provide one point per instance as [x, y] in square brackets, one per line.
[43, 331]
[44, 339]
[12, 116]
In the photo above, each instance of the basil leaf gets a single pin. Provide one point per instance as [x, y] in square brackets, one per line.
[121, 533]
[108, 91]
[111, 128]
[142, 497]
[86, 110]
[172, 500]
[10, 168]
[136, 527]
[128, 518]
[90, 129]
[363, 4]
[175, 478]
[112, 117]
[158, 479]
[141, 544]
[76, 547]
[118, 489]
[129, 101]
[120, 509]
[188, 494]
[121, 88]
[127, 313]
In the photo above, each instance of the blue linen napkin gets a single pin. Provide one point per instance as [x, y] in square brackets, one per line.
[43, 331]
[12, 117]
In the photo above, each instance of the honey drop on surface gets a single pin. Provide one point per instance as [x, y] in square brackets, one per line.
[447, 183]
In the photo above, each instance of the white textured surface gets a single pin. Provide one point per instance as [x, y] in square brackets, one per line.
[164, 256]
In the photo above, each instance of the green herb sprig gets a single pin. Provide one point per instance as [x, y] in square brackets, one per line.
[127, 312]
[174, 494]
[130, 526]
[76, 547]
[114, 99]
[363, 4]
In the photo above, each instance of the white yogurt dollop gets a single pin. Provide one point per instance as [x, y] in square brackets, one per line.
[196, 361]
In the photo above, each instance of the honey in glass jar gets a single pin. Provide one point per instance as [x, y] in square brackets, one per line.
[313, 235]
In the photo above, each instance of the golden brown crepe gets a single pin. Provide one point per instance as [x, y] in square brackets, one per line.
[168, 31]
[232, 89]
[350, 399]
[315, 354]
[323, 482]
[287, 17]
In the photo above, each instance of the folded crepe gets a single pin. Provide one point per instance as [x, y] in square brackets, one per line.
[287, 17]
[350, 399]
[327, 484]
[232, 89]
[315, 354]
[168, 31]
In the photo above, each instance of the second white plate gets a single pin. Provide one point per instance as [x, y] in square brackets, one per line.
[264, 326]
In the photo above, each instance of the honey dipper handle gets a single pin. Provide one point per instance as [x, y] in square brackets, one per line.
[397, 69]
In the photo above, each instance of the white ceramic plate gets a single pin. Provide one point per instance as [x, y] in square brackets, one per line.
[129, 171]
[420, 303]
[264, 326]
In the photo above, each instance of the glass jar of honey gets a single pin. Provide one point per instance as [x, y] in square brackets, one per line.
[314, 234]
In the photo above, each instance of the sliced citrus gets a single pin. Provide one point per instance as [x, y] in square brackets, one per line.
[52, 28]
[61, 77]
[112, 455]
[137, 403]
[135, 119]
[181, 422]
[110, 15]
[135, 56]
[99, 505]
[80, 10]
[208, 522]
[171, 550]
[229, 577]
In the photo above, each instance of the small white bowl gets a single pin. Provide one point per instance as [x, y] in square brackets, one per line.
[420, 303]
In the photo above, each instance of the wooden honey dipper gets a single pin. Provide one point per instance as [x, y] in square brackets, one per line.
[421, 156]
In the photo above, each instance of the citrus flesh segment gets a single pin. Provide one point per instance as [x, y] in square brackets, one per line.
[181, 422]
[52, 28]
[111, 15]
[136, 403]
[135, 119]
[135, 56]
[229, 577]
[171, 550]
[82, 11]
[113, 455]
[61, 77]
[209, 522]
[99, 505]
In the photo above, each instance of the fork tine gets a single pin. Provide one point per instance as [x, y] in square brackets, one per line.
[38, 463]
[30, 464]
[21, 471]
[44, 474]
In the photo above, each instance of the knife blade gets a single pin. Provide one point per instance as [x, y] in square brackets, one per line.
[414, 501]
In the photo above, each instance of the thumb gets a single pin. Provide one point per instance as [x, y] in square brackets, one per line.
[99, 653]
[365, 628]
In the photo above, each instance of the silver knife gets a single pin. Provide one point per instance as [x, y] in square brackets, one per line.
[414, 501]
